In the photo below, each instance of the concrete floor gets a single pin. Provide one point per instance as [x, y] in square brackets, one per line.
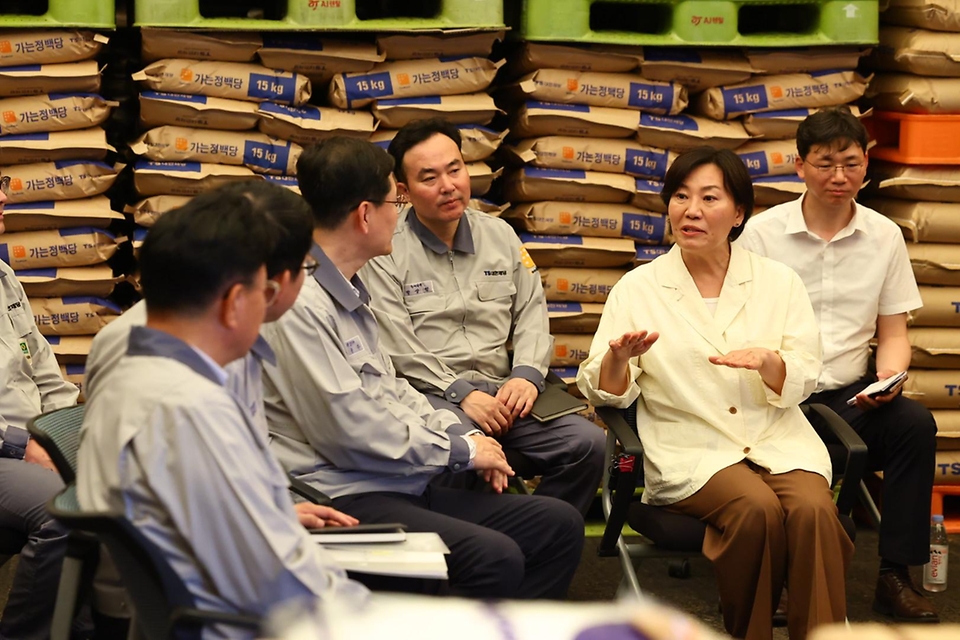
[597, 579]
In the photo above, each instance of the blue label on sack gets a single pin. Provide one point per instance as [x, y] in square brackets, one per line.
[366, 86]
[826, 72]
[564, 307]
[75, 369]
[569, 174]
[785, 113]
[756, 163]
[140, 234]
[678, 123]
[23, 67]
[67, 96]
[63, 164]
[644, 226]
[399, 102]
[25, 136]
[36, 273]
[565, 372]
[4, 253]
[645, 253]
[556, 106]
[90, 300]
[535, 238]
[270, 87]
[79, 231]
[290, 42]
[54, 340]
[289, 181]
[478, 128]
[30, 206]
[173, 97]
[651, 96]
[305, 113]
[671, 55]
[649, 186]
[752, 98]
[151, 165]
[266, 155]
[383, 144]
[646, 163]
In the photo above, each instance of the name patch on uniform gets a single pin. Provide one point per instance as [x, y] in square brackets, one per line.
[418, 288]
[353, 346]
[25, 348]
[15, 305]
[527, 261]
[494, 273]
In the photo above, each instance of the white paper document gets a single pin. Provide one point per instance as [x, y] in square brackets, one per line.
[421, 555]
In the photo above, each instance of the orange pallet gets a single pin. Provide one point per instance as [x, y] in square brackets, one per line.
[951, 520]
[910, 138]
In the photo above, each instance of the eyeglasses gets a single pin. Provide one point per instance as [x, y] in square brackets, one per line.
[848, 169]
[310, 267]
[400, 202]
[5, 185]
[271, 291]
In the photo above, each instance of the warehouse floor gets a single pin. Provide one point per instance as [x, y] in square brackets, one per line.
[598, 578]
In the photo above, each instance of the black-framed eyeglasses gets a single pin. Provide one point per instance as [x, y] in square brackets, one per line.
[310, 267]
[5, 185]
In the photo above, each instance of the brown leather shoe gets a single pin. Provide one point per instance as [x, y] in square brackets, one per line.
[898, 598]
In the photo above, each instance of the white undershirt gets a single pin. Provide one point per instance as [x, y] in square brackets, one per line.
[711, 305]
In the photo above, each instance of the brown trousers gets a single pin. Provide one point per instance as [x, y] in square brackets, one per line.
[768, 531]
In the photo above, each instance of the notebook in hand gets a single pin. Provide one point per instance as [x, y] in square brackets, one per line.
[360, 534]
[555, 402]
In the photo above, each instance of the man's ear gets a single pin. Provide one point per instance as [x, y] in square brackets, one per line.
[230, 305]
[362, 217]
[402, 189]
[798, 165]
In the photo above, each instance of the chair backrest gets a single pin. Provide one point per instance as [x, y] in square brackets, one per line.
[155, 588]
[58, 432]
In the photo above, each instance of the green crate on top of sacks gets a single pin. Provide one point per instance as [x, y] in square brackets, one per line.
[356, 15]
[28, 14]
[754, 23]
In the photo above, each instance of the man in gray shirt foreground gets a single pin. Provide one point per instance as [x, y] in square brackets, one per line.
[341, 420]
[166, 444]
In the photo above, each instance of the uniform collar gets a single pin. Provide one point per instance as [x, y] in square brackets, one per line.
[329, 277]
[145, 341]
[262, 352]
[462, 239]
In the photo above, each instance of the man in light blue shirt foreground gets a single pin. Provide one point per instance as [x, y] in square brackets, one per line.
[168, 446]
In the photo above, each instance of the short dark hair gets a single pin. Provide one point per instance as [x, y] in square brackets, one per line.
[416, 132]
[339, 173]
[194, 253]
[295, 224]
[834, 127]
[736, 179]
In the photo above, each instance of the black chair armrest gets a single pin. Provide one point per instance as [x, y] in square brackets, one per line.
[856, 463]
[307, 492]
[616, 421]
[624, 482]
[195, 617]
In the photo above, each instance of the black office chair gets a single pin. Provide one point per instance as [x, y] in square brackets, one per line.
[165, 609]
[665, 534]
[58, 432]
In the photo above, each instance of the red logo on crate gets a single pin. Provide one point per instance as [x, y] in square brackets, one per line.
[563, 284]
[9, 117]
[566, 217]
[5, 46]
[19, 251]
[696, 20]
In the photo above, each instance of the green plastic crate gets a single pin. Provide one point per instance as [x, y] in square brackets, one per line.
[330, 15]
[94, 14]
[754, 23]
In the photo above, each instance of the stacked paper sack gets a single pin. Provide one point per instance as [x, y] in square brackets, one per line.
[918, 63]
[584, 193]
[53, 147]
[433, 75]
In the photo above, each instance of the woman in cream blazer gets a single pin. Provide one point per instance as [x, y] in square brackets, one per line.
[718, 346]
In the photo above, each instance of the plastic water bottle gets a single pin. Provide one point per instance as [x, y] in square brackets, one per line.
[935, 571]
